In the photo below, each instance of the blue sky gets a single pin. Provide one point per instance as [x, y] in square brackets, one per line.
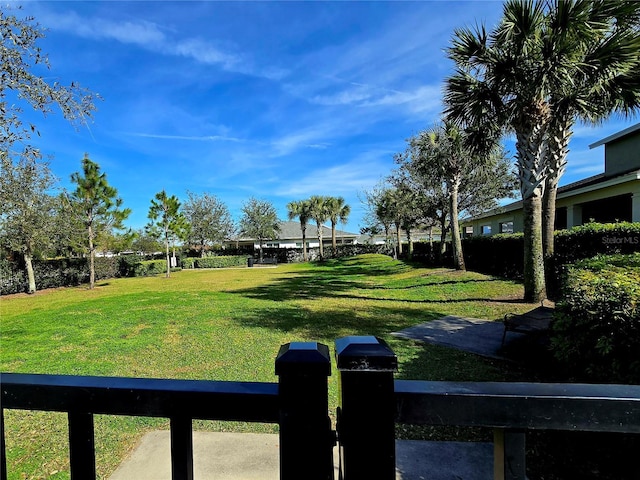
[275, 100]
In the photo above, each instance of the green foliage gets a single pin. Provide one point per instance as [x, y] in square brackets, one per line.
[259, 220]
[596, 331]
[221, 262]
[127, 265]
[61, 272]
[98, 206]
[22, 59]
[148, 268]
[189, 262]
[210, 222]
[503, 254]
[167, 221]
[500, 255]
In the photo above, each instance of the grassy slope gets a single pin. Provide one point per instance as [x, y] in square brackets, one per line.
[226, 325]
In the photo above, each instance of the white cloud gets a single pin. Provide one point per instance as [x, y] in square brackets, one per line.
[196, 138]
[151, 36]
[346, 179]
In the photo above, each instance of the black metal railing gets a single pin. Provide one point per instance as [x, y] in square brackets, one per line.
[371, 403]
[298, 403]
[367, 365]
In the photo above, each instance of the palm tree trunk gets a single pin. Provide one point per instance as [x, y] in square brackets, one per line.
[443, 235]
[304, 243]
[532, 173]
[534, 278]
[456, 242]
[557, 151]
[320, 240]
[399, 239]
[30, 275]
[333, 235]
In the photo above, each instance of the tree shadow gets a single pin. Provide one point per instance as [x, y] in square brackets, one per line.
[329, 324]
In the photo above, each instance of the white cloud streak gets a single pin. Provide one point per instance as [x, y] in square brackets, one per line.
[152, 37]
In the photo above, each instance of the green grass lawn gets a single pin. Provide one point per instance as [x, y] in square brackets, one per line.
[227, 325]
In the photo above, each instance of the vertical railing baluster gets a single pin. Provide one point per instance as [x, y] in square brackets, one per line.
[3, 448]
[181, 448]
[366, 425]
[509, 451]
[306, 438]
[82, 453]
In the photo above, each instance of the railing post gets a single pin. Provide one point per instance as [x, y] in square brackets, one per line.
[82, 451]
[366, 418]
[3, 448]
[509, 452]
[306, 438]
[181, 448]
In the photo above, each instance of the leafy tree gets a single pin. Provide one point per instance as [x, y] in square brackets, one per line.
[595, 45]
[167, 222]
[21, 57]
[260, 221]
[113, 242]
[516, 78]
[26, 209]
[338, 212]
[145, 243]
[454, 158]
[447, 173]
[210, 220]
[319, 210]
[301, 209]
[98, 205]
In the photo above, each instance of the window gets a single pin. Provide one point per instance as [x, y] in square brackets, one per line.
[486, 229]
[506, 227]
[468, 230]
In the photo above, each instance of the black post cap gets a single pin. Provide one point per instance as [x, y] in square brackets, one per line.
[303, 358]
[365, 353]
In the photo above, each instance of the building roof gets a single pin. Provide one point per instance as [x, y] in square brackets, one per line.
[292, 231]
[616, 136]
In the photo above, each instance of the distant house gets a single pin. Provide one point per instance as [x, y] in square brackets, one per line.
[290, 236]
[608, 197]
[416, 236]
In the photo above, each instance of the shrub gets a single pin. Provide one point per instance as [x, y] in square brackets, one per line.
[221, 262]
[587, 241]
[127, 264]
[501, 255]
[189, 262]
[596, 330]
[148, 268]
[12, 278]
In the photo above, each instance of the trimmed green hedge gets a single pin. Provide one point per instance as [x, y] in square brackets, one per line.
[148, 268]
[66, 272]
[221, 261]
[502, 255]
[596, 329]
[189, 262]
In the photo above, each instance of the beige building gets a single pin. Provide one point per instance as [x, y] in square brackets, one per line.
[608, 197]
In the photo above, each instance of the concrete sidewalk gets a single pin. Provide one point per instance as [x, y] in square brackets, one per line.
[475, 335]
[253, 456]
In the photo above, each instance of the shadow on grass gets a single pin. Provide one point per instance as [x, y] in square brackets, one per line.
[330, 324]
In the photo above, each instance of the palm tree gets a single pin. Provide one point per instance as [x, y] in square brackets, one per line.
[500, 84]
[320, 213]
[301, 209]
[596, 47]
[545, 64]
[338, 212]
